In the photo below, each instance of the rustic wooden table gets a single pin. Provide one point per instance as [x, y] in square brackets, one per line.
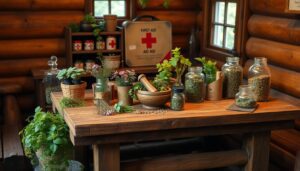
[105, 133]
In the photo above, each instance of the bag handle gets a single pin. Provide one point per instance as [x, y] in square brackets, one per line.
[138, 18]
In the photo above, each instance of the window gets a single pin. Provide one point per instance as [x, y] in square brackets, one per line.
[223, 24]
[117, 7]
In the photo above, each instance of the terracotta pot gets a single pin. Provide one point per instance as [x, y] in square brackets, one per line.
[110, 22]
[153, 100]
[112, 62]
[73, 91]
[123, 95]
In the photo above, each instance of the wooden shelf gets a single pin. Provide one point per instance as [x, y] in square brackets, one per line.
[96, 51]
[91, 33]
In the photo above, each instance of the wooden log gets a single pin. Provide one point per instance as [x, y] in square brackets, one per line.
[281, 157]
[189, 162]
[284, 80]
[280, 54]
[283, 29]
[26, 83]
[19, 67]
[174, 5]
[41, 5]
[270, 7]
[200, 20]
[182, 21]
[180, 40]
[29, 48]
[287, 139]
[36, 24]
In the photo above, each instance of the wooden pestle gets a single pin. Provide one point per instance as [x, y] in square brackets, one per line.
[143, 79]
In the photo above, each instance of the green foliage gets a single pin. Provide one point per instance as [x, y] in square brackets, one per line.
[135, 88]
[101, 72]
[123, 109]
[72, 73]
[144, 3]
[98, 28]
[124, 77]
[89, 19]
[74, 27]
[48, 133]
[210, 69]
[70, 103]
[162, 79]
[180, 63]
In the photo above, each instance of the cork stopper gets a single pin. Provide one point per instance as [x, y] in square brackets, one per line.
[143, 79]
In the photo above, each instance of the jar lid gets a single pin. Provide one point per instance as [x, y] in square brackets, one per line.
[89, 41]
[178, 89]
[77, 41]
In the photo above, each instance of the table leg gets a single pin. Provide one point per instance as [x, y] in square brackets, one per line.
[106, 157]
[257, 146]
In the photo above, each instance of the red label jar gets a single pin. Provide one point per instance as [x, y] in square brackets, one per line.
[77, 45]
[111, 43]
[89, 45]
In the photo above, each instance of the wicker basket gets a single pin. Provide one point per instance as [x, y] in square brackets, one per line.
[73, 91]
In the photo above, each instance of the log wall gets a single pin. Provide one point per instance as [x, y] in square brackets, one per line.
[275, 34]
[32, 31]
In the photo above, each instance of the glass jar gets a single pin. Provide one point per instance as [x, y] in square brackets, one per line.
[102, 90]
[111, 43]
[194, 85]
[245, 98]
[89, 45]
[233, 75]
[77, 45]
[52, 84]
[259, 78]
[177, 99]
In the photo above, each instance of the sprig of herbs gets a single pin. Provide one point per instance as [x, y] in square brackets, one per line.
[180, 63]
[209, 68]
[135, 88]
[122, 108]
[70, 103]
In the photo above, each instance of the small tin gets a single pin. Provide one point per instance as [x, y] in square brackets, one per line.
[100, 45]
[111, 43]
[77, 45]
[89, 45]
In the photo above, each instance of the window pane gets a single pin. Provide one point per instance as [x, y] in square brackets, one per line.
[219, 12]
[218, 36]
[100, 8]
[231, 13]
[118, 8]
[229, 43]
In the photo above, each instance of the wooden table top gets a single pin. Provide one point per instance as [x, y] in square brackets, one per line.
[85, 121]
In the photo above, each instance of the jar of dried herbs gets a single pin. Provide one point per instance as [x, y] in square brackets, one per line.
[177, 99]
[233, 75]
[194, 85]
[245, 98]
[260, 79]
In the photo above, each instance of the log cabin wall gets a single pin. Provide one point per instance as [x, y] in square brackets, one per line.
[275, 34]
[32, 31]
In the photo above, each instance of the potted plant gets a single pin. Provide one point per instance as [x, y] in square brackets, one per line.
[144, 3]
[124, 80]
[86, 25]
[100, 88]
[111, 61]
[47, 137]
[71, 85]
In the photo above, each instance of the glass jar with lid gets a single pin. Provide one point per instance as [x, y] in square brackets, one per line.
[194, 85]
[233, 75]
[177, 99]
[259, 78]
[52, 84]
[245, 98]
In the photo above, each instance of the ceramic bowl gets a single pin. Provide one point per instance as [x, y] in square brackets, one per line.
[153, 100]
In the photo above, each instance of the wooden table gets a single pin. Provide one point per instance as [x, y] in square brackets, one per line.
[105, 133]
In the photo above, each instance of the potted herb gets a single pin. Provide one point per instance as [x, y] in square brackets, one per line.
[72, 86]
[144, 3]
[70, 103]
[86, 25]
[124, 80]
[47, 137]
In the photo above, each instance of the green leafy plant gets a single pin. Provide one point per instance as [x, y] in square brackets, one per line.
[122, 108]
[162, 79]
[180, 63]
[70, 75]
[135, 88]
[47, 134]
[209, 69]
[89, 19]
[74, 27]
[144, 3]
[70, 103]
[98, 27]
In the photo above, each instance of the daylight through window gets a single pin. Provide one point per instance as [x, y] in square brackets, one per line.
[224, 24]
[117, 7]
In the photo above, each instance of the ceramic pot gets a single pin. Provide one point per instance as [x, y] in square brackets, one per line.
[110, 22]
[153, 100]
[85, 26]
[112, 62]
[123, 95]
[73, 91]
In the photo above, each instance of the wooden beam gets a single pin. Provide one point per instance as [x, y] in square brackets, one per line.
[106, 157]
[189, 162]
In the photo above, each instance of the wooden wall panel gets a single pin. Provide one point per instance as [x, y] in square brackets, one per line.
[28, 48]
[36, 24]
[280, 54]
[284, 80]
[42, 5]
[275, 28]
[26, 82]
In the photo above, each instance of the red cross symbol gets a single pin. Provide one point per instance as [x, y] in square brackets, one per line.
[149, 40]
[112, 43]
